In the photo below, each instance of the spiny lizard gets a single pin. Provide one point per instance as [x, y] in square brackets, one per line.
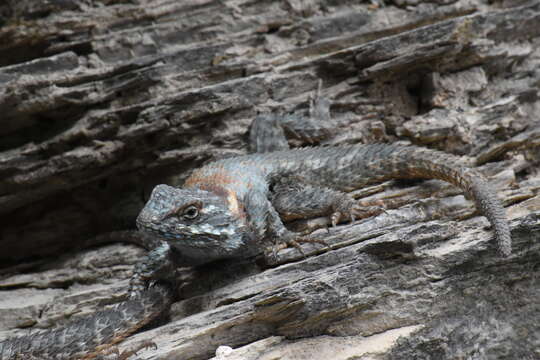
[236, 207]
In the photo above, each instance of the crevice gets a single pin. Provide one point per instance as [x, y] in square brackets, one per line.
[39, 128]
[22, 53]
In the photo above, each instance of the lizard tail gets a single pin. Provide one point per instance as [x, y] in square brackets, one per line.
[414, 162]
[92, 335]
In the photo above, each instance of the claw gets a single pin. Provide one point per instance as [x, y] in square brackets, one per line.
[274, 251]
[334, 218]
[293, 240]
[317, 241]
[297, 246]
[143, 345]
[367, 211]
[278, 247]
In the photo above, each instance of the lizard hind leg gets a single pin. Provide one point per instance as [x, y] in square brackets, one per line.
[294, 198]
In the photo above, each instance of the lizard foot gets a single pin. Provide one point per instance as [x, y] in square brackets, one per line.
[157, 265]
[114, 354]
[354, 210]
[126, 354]
[292, 239]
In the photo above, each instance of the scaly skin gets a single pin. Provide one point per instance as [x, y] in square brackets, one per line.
[90, 336]
[224, 211]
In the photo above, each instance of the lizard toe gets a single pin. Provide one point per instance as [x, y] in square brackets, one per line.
[294, 240]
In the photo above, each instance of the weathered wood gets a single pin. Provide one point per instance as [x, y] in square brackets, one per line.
[101, 101]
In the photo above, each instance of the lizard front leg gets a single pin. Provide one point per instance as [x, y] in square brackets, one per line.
[158, 265]
[266, 224]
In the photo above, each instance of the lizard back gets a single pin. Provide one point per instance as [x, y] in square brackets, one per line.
[348, 168]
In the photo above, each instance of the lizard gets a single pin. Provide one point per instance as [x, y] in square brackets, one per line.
[236, 208]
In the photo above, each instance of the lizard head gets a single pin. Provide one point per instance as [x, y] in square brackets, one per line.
[202, 225]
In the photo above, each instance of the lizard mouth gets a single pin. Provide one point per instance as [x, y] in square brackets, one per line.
[148, 228]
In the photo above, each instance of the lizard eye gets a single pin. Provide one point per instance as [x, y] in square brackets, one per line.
[191, 212]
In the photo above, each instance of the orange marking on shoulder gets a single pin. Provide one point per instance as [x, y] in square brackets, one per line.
[217, 177]
[234, 205]
[217, 182]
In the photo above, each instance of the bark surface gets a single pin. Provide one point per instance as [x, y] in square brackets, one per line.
[102, 100]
